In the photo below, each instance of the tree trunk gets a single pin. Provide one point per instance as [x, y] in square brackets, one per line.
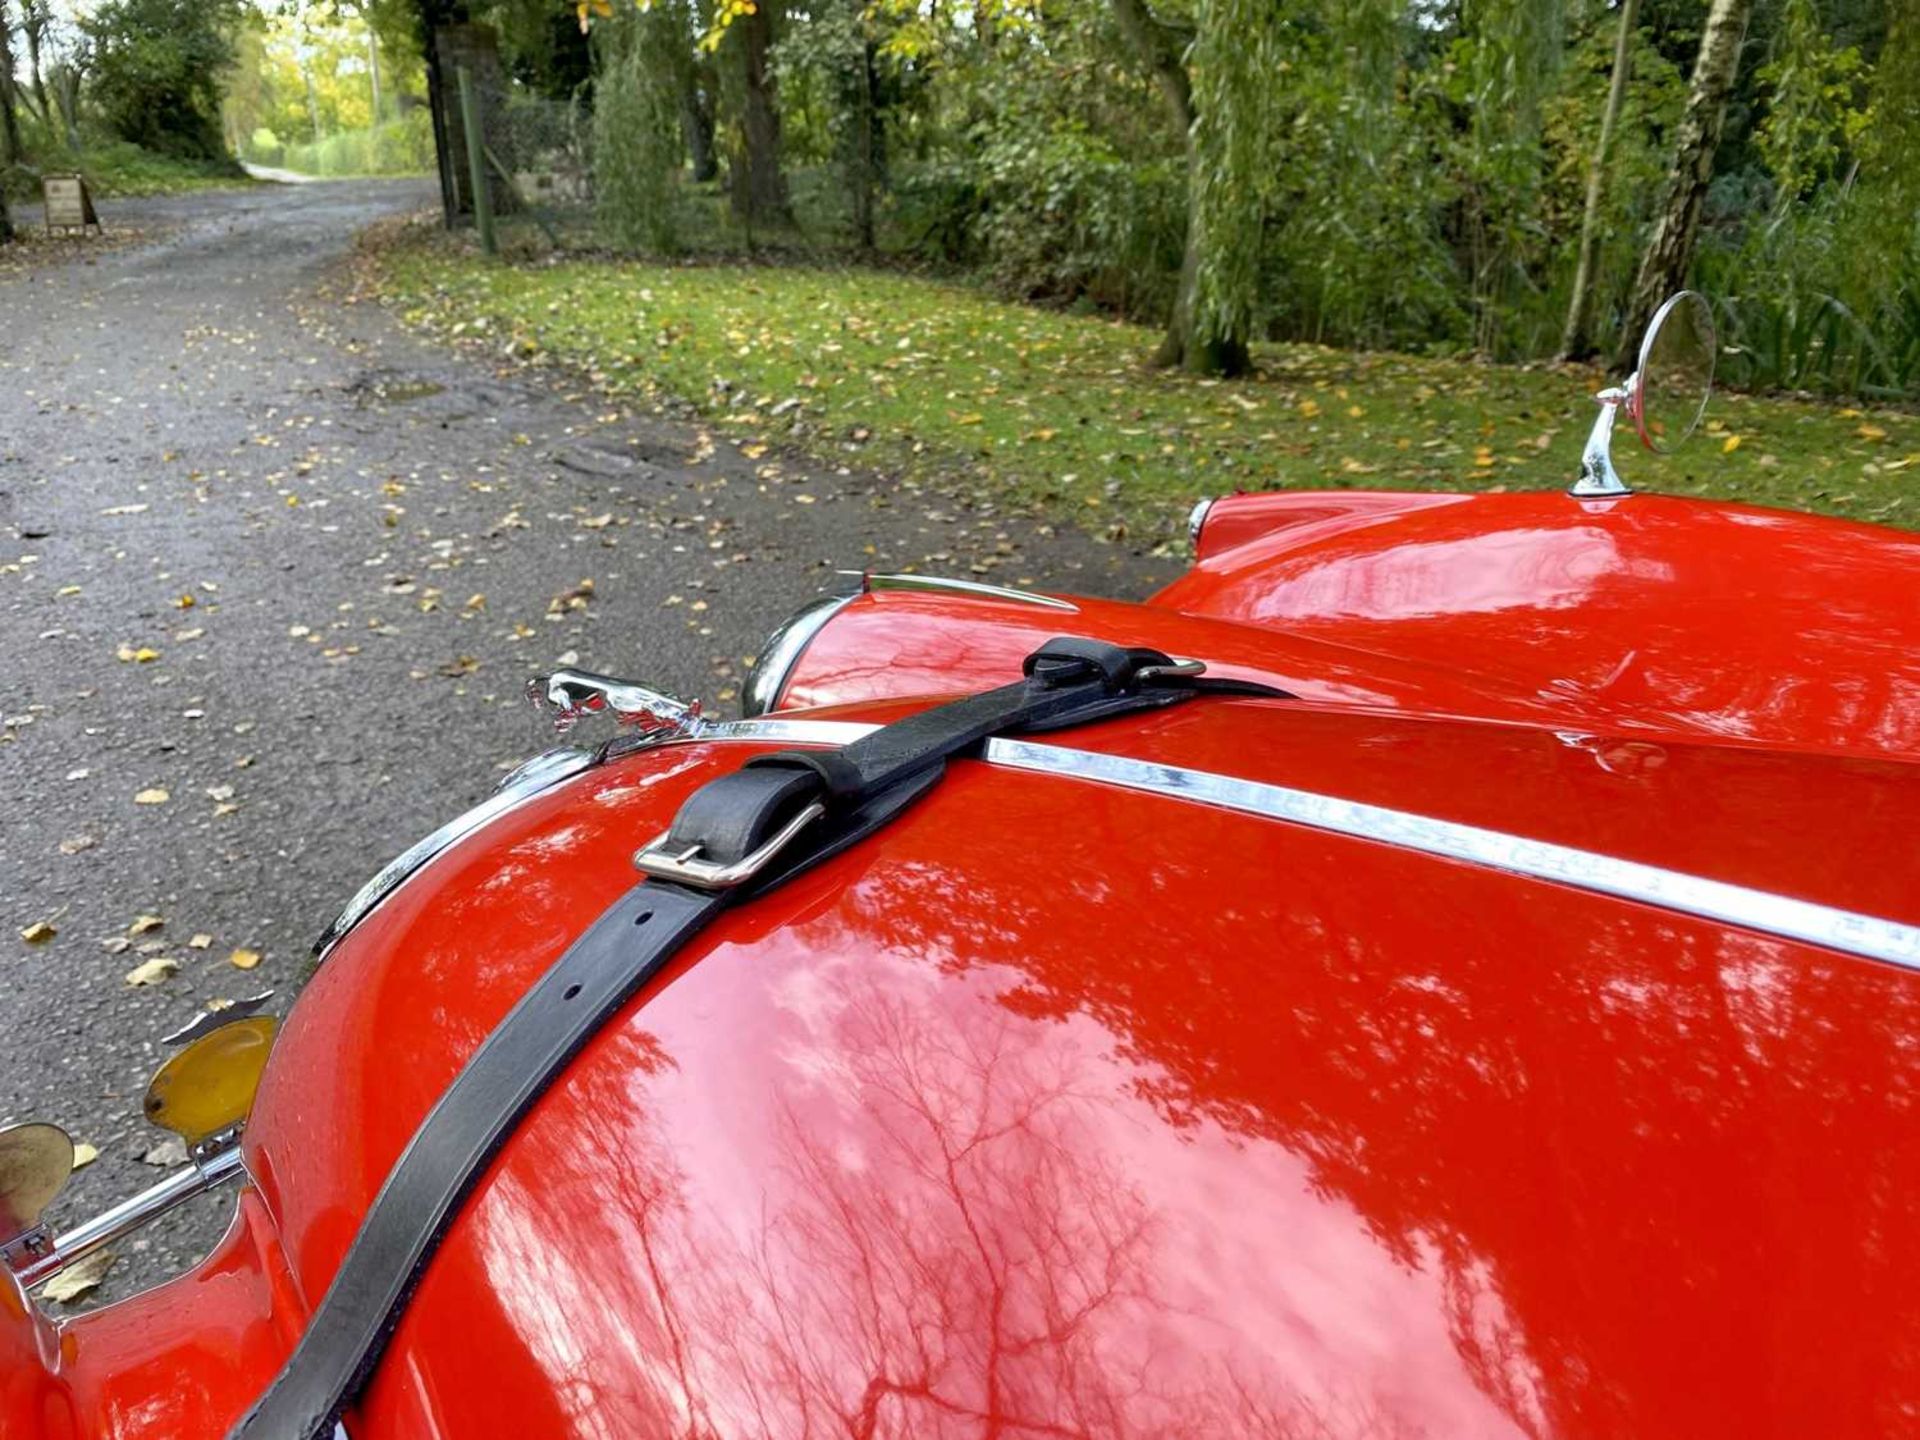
[66, 94]
[373, 72]
[760, 190]
[9, 120]
[866, 146]
[696, 123]
[1577, 342]
[6, 223]
[33, 25]
[313, 104]
[1670, 251]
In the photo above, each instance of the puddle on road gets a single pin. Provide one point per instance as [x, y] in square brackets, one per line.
[394, 387]
[399, 392]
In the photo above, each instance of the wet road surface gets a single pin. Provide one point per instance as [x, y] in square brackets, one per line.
[272, 574]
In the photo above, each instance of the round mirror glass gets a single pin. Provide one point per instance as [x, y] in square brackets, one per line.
[1676, 371]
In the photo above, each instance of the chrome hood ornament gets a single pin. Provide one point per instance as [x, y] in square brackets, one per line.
[570, 696]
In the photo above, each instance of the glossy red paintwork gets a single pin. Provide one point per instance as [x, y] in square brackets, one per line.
[1647, 613]
[1069, 1110]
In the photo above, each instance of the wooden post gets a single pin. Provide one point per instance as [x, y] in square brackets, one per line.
[477, 163]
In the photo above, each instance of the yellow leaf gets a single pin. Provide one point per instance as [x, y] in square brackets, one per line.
[143, 923]
[200, 941]
[244, 959]
[84, 1154]
[152, 972]
[1730, 444]
[1871, 432]
[80, 1277]
[1309, 408]
[186, 601]
[972, 417]
[155, 796]
[38, 933]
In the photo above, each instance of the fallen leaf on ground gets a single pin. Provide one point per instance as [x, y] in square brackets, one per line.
[167, 1152]
[155, 796]
[38, 933]
[152, 972]
[74, 844]
[200, 942]
[143, 923]
[79, 1278]
[84, 1154]
[244, 959]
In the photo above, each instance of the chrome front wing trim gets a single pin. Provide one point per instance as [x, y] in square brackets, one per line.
[539, 773]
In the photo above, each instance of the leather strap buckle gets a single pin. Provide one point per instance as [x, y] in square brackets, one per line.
[685, 867]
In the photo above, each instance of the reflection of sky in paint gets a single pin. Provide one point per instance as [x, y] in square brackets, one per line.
[1480, 574]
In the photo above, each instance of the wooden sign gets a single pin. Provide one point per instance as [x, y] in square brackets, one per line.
[69, 204]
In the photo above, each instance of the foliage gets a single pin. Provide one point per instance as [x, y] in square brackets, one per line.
[156, 71]
[1379, 172]
[931, 380]
[637, 145]
[399, 147]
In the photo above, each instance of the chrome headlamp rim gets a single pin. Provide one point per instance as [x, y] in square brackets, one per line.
[783, 650]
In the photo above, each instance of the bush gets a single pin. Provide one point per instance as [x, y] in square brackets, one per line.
[399, 147]
[157, 68]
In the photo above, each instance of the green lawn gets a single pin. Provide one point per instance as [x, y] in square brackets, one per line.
[1060, 411]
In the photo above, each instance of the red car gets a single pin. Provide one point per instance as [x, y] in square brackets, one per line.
[1444, 966]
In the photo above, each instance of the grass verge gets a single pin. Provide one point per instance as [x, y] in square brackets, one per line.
[115, 168]
[1060, 411]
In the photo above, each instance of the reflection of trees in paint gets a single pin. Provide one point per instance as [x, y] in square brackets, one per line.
[1571, 1125]
[964, 1272]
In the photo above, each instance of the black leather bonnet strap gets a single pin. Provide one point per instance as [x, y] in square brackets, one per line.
[735, 837]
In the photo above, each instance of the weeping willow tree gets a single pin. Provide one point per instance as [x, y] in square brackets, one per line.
[638, 134]
[1218, 81]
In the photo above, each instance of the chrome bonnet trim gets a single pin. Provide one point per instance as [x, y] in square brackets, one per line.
[1801, 920]
[793, 732]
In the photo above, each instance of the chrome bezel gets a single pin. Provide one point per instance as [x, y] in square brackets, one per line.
[783, 650]
[540, 773]
[1197, 519]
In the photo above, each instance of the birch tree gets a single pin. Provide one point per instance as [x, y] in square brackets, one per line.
[1669, 252]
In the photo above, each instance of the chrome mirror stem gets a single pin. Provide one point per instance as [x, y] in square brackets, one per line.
[1598, 479]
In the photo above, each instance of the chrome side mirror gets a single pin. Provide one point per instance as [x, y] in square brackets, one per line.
[35, 1161]
[1666, 395]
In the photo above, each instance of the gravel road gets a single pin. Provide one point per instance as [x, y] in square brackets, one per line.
[272, 573]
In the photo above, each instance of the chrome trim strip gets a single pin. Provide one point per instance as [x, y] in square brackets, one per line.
[768, 729]
[1197, 519]
[539, 773]
[953, 585]
[1845, 930]
[130, 1215]
[783, 650]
